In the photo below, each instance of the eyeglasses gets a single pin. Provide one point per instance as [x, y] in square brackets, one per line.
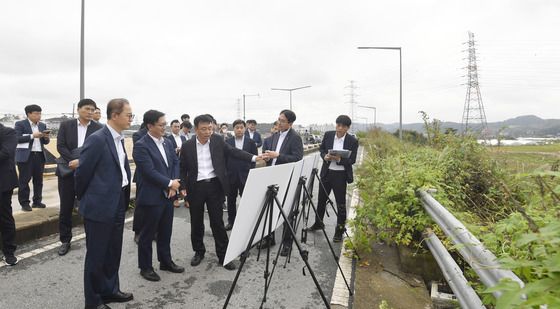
[130, 116]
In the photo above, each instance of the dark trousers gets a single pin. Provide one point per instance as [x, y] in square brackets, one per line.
[157, 219]
[236, 187]
[33, 168]
[334, 181]
[211, 194]
[103, 256]
[7, 224]
[138, 219]
[67, 195]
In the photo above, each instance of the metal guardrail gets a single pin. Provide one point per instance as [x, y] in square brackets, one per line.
[481, 260]
[465, 294]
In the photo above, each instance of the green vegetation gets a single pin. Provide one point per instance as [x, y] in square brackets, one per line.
[510, 200]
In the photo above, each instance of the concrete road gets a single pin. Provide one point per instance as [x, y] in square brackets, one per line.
[46, 280]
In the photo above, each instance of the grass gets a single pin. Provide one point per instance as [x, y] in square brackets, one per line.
[530, 148]
[527, 158]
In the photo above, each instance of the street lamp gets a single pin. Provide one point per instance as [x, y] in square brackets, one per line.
[365, 118]
[374, 113]
[400, 80]
[290, 90]
[247, 95]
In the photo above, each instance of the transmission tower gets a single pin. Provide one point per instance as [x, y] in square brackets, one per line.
[474, 117]
[352, 94]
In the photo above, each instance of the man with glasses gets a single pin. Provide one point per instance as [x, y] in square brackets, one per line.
[71, 137]
[31, 156]
[103, 188]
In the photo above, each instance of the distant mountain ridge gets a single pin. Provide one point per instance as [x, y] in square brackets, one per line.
[521, 126]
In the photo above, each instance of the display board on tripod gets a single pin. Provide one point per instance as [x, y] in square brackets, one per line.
[309, 163]
[252, 201]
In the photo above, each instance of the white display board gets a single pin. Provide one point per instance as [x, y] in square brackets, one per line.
[252, 202]
[288, 200]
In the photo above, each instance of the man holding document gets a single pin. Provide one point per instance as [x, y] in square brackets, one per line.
[338, 151]
[157, 180]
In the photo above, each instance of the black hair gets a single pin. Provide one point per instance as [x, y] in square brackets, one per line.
[152, 116]
[213, 120]
[32, 108]
[185, 116]
[275, 123]
[187, 124]
[239, 121]
[252, 121]
[206, 118]
[84, 102]
[344, 120]
[174, 121]
[115, 106]
[224, 124]
[290, 115]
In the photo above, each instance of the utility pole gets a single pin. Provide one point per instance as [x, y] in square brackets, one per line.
[247, 95]
[474, 116]
[82, 94]
[352, 94]
[238, 108]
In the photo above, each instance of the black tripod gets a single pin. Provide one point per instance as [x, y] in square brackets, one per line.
[267, 212]
[315, 175]
[296, 220]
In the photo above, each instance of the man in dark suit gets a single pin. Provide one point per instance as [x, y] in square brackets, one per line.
[203, 175]
[8, 181]
[103, 188]
[175, 138]
[238, 170]
[336, 173]
[30, 156]
[286, 147]
[71, 136]
[252, 132]
[157, 167]
[267, 142]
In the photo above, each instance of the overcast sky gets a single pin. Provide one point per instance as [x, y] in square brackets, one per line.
[201, 56]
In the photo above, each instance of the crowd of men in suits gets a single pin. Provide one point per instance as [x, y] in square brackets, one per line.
[204, 167]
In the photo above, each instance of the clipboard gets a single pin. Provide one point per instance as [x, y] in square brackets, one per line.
[343, 153]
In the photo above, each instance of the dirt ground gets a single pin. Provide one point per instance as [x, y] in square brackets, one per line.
[379, 279]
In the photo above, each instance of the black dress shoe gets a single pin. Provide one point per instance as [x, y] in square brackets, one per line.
[150, 275]
[102, 306]
[119, 297]
[315, 227]
[11, 259]
[39, 205]
[64, 248]
[229, 227]
[197, 258]
[172, 267]
[26, 207]
[285, 250]
[230, 266]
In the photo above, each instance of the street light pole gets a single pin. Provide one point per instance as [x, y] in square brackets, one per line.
[374, 113]
[290, 90]
[400, 80]
[82, 55]
[247, 95]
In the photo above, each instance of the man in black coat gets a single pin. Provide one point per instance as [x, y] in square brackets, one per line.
[336, 173]
[286, 147]
[238, 170]
[71, 136]
[204, 181]
[31, 156]
[252, 132]
[8, 181]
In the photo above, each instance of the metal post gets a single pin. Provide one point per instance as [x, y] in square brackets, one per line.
[374, 113]
[82, 55]
[290, 90]
[291, 99]
[243, 107]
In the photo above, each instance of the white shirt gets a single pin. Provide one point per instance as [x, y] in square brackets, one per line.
[36, 146]
[205, 167]
[279, 145]
[239, 142]
[178, 140]
[118, 138]
[159, 143]
[251, 133]
[82, 132]
[338, 144]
